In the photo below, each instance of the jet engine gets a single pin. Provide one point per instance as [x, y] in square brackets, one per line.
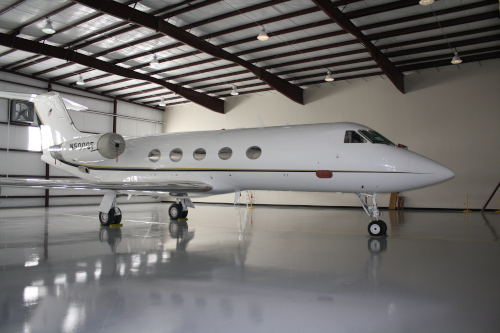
[89, 149]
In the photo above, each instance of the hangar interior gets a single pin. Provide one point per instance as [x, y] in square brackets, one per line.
[294, 263]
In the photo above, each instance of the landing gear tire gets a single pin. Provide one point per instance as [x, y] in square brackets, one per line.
[175, 211]
[184, 214]
[109, 218]
[377, 228]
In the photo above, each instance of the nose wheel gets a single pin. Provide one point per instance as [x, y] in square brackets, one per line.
[377, 228]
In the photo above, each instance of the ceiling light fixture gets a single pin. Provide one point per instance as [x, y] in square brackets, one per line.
[329, 77]
[154, 62]
[235, 91]
[263, 34]
[48, 28]
[80, 81]
[456, 59]
[163, 102]
[426, 2]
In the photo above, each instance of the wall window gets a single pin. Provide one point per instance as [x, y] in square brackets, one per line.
[225, 153]
[154, 155]
[254, 152]
[199, 154]
[176, 155]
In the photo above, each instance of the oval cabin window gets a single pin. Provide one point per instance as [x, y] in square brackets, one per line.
[176, 155]
[154, 155]
[225, 153]
[254, 152]
[199, 154]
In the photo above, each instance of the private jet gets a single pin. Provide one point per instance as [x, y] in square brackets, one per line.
[332, 157]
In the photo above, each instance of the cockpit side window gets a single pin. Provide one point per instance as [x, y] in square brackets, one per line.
[353, 137]
[375, 137]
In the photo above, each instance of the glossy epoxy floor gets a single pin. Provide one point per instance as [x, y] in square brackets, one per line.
[236, 270]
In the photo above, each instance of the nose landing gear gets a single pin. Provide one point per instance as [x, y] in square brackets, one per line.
[376, 227]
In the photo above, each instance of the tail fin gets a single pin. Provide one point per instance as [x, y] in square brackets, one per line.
[52, 111]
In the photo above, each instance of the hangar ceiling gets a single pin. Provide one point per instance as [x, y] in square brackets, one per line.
[206, 48]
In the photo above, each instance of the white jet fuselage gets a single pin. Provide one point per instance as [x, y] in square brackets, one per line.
[293, 158]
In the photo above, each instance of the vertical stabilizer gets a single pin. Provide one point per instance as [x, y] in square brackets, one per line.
[55, 117]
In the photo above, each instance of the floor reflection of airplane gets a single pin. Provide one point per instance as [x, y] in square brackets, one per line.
[338, 157]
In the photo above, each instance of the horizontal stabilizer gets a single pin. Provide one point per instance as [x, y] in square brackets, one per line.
[70, 105]
[19, 96]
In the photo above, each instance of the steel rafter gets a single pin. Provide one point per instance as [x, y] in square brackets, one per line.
[397, 32]
[432, 48]
[80, 89]
[107, 29]
[209, 102]
[159, 35]
[149, 21]
[17, 30]
[351, 15]
[27, 62]
[421, 66]
[387, 67]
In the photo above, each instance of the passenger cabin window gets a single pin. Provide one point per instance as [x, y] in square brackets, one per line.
[375, 137]
[254, 152]
[176, 155]
[199, 154]
[225, 153]
[353, 137]
[154, 155]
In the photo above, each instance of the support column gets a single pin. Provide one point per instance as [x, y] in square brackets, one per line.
[115, 113]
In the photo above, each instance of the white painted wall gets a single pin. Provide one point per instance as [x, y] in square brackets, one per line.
[451, 115]
[17, 137]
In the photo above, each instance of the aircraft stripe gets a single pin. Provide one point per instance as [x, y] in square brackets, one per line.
[116, 168]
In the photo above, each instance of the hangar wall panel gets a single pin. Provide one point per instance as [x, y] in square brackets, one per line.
[99, 119]
[451, 115]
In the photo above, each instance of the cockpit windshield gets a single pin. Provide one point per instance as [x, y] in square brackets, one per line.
[376, 137]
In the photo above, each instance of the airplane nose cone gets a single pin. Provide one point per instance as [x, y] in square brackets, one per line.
[429, 171]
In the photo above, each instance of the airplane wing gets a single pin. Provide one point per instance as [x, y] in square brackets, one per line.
[173, 187]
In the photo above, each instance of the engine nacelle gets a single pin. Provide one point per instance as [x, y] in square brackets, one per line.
[89, 149]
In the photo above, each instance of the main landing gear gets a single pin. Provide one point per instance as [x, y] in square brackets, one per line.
[113, 216]
[376, 227]
[109, 213]
[179, 210]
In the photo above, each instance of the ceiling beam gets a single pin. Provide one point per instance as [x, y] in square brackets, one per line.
[159, 35]
[149, 21]
[376, 36]
[416, 67]
[209, 102]
[433, 48]
[100, 32]
[82, 90]
[27, 61]
[301, 12]
[17, 30]
[350, 15]
[6, 9]
[385, 65]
